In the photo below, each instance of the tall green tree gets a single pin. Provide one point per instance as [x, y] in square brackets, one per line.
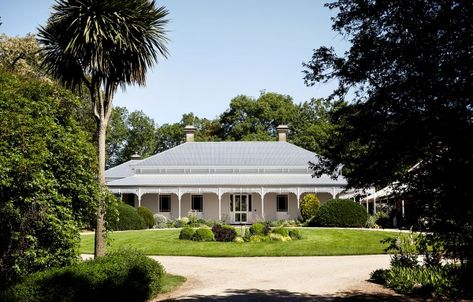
[117, 134]
[140, 137]
[103, 45]
[409, 74]
[48, 184]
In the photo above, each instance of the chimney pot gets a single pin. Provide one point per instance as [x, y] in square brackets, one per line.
[282, 132]
[136, 156]
[189, 130]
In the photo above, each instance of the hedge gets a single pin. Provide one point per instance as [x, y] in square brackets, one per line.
[309, 206]
[186, 233]
[147, 216]
[128, 219]
[126, 275]
[340, 213]
[203, 234]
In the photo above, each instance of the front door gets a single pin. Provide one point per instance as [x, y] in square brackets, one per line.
[240, 208]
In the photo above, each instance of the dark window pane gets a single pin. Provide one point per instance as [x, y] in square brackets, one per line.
[197, 203]
[281, 201]
[165, 203]
[249, 203]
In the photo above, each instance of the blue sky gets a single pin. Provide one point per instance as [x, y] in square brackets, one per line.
[218, 50]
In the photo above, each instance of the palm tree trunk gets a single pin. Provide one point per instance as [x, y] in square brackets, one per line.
[100, 232]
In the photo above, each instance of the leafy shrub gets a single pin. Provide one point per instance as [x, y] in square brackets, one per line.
[382, 219]
[186, 233]
[371, 222]
[257, 238]
[180, 223]
[238, 239]
[278, 237]
[295, 234]
[405, 248]
[309, 206]
[160, 221]
[128, 219]
[260, 229]
[340, 213]
[193, 218]
[118, 276]
[281, 231]
[203, 234]
[224, 233]
[147, 216]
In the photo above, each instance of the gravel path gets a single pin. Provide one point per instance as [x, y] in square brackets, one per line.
[278, 278]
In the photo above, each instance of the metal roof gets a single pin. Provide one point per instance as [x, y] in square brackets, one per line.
[121, 171]
[239, 154]
[226, 180]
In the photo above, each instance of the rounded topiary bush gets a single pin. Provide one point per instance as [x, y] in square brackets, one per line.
[260, 229]
[203, 234]
[147, 216]
[340, 213]
[128, 219]
[186, 233]
[224, 233]
[309, 206]
[281, 231]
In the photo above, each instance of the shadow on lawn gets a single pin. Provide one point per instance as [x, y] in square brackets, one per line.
[281, 295]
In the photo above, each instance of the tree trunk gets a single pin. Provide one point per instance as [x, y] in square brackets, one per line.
[100, 232]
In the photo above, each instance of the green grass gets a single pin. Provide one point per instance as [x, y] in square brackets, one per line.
[315, 242]
[171, 282]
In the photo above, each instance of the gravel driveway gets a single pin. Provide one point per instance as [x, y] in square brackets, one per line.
[278, 278]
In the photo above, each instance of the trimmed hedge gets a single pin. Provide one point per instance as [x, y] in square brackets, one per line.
[224, 233]
[147, 216]
[340, 213]
[119, 276]
[203, 234]
[186, 233]
[128, 219]
[309, 206]
[281, 231]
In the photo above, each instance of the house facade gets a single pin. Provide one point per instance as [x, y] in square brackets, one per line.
[237, 182]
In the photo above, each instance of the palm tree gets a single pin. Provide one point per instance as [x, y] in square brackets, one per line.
[101, 45]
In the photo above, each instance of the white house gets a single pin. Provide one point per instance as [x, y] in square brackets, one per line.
[238, 182]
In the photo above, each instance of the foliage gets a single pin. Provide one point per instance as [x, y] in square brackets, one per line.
[408, 122]
[309, 206]
[186, 233]
[119, 276]
[281, 231]
[224, 233]
[405, 250]
[147, 216]
[371, 222]
[180, 223]
[295, 234]
[128, 219]
[160, 221]
[278, 237]
[20, 55]
[258, 238]
[260, 229]
[203, 234]
[340, 213]
[382, 219]
[48, 184]
[239, 239]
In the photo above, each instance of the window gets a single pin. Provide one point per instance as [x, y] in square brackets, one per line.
[197, 203]
[164, 203]
[281, 203]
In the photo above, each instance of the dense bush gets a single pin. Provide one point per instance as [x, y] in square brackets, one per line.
[180, 223]
[260, 229]
[278, 237]
[340, 213]
[147, 216]
[118, 276]
[309, 206]
[382, 219]
[281, 231]
[203, 234]
[186, 233]
[295, 234]
[160, 221]
[224, 233]
[128, 219]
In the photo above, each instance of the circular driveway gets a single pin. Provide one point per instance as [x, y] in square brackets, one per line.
[323, 278]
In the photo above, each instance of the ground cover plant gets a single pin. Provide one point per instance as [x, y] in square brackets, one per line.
[314, 242]
[126, 275]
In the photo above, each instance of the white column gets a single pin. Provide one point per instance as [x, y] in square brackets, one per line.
[402, 208]
[367, 206]
[219, 207]
[139, 200]
[374, 205]
[262, 204]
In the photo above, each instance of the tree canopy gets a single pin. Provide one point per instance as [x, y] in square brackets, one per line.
[48, 186]
[408, 75]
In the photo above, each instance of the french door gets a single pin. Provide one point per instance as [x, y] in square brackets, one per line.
[240, 208]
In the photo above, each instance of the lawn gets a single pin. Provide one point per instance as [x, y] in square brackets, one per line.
[315, 242]
[171, 282]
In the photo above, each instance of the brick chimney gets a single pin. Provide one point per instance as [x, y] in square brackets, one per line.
[135, 156]
[282, 132]
[189, 130]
